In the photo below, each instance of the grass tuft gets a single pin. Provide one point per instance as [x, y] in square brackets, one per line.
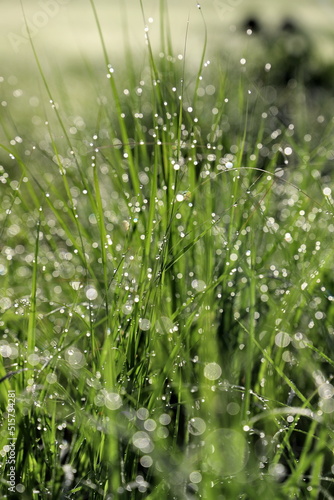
[166, 285]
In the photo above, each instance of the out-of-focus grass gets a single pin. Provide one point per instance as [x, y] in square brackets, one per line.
[167, 280]
[65, 29]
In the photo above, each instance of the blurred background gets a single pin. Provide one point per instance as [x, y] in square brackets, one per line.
[284, 48]
[64, 30]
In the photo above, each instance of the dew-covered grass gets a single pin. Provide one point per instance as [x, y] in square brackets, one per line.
[167, 284]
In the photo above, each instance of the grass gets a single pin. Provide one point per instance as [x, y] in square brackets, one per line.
[167, 286]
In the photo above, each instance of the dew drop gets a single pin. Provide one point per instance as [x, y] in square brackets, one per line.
[212, 371]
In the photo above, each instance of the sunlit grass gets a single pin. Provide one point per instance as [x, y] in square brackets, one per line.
[166, 295]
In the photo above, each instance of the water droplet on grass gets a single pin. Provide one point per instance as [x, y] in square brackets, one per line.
[165, 419]
[127, 308]
[91, 293]
[327, 405]
[278, 471]
[144, 324]
[150, 425]
[282, 339]
[196, 426]
[212, 371]
[326, 391]
[142, 413]
[74, 357]
[143, 442]
[198, 285]
[146, 461]
[51, 378]
[113, 401]
[195, 477]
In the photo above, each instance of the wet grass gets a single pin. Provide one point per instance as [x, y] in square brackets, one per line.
[167, 285]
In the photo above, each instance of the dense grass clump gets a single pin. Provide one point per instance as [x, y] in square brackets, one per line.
[166, 285]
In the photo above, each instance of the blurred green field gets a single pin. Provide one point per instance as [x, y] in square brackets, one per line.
[66, 40]
[64, 30]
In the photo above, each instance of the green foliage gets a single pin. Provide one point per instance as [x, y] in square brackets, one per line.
[166, 291]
